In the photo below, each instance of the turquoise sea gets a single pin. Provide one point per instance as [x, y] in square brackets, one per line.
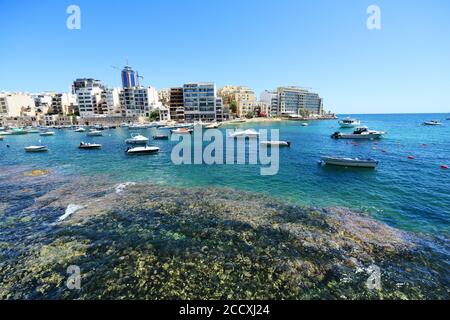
[409, 194]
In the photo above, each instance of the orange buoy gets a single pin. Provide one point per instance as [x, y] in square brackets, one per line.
[410, 157]
[444, 166]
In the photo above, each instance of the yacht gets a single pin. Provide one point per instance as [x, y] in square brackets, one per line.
[94, 133]
[137, 139]
[36, 149]
[349, 162]
[349, 123]
[143, 150]
[359, 133]
[276, 143]
[432, 123]
[80, 130]
[244, 133]
[84, 145]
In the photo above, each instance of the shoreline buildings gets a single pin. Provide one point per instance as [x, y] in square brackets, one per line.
[288, 101]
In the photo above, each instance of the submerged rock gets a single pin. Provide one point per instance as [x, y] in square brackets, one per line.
[36, 173]
[156, 242]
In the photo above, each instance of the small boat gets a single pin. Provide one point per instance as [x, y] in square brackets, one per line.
[99, 127]
[349, 123]
[32, 130]
[160, 137]
[84, 145]
[36, 149]
[16, 131]
[137, 139]
[80, 130]
[213, 125]
[349, 162]
[5, 133]
[47, 133]
[143, 150]
[359, 133]
[432, 123]
[245, 133]
[94, 133]
[304, 124]
[276, 143]
[181, 131]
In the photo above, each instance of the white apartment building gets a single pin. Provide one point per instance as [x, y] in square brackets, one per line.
[138, 101]
[89, 100]
[17, 105]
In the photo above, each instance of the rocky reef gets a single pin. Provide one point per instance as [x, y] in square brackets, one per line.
[143, 241]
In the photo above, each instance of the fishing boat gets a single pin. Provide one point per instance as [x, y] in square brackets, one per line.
[359, 133]
[349, 123]
[181, 131]
[84, 145]
[432, 123]
[80, 129]
[47, 133]
[349, 162]
[143, 150]
[94, 133]
[244, 133]
[160, 137]
[36, 149]
[137, 139]
[276, 143]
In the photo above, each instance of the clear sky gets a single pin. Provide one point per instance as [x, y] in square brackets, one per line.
[321, 44]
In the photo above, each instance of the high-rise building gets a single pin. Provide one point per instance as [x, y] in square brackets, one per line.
[200, 101]
[176, 104]
[130, 78]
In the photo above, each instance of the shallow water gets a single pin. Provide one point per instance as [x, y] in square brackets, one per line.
[409, 194]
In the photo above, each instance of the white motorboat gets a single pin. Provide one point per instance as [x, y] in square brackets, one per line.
[80, 130]
[143, 150]
[94, 133]
[244, 133]
[349, 123]
[213, 125]
[359, 133]
[137, 139]
[276, 143]
[47, 133]
[350, 162]
[5, 133]
[181, 131]
[304, 124]
[432, 123]
[84, 145]
[36, 149]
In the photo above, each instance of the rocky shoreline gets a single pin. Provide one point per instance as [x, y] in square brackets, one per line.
[141, 241]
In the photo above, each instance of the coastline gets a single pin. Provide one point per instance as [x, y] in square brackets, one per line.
[172, 243]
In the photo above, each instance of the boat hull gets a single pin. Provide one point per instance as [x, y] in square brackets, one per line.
[360, 136]
[342, 162]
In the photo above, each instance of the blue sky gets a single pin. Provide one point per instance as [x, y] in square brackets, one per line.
[322, 44]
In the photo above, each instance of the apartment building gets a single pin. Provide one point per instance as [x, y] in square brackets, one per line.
[200, 100]
[17, 105]
[176, 104]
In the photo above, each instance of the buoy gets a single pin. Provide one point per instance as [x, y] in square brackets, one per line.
[410, 157]
[444, 166]
[383, 150]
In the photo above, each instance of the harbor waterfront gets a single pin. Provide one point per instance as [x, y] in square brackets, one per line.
[408, 193]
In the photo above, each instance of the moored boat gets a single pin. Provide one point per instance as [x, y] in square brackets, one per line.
[349, 123]
[80, 129]
[432, 123]
[359, 133]
[305, 124]
[36, 149]
[84, 145]
[94, 133]
[181, 131]
[349, 162]
[244, 133]
[137, 139]
[47, 133]
[143, 150]
[276, 143]
[160, 137]
[213, 125]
